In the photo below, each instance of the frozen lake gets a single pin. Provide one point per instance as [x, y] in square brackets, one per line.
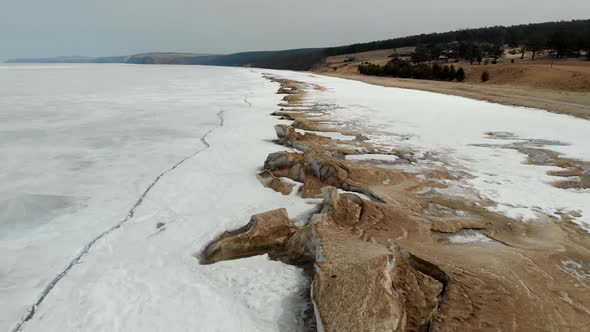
[80, 144]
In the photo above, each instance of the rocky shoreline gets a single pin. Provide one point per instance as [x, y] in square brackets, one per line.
[386, 251]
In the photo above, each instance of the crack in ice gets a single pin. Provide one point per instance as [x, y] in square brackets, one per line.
[130, 214]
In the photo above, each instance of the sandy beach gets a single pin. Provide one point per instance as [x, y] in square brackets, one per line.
[573, 103]
[557, 86]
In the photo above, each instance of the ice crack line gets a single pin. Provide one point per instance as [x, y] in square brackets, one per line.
[130, 214]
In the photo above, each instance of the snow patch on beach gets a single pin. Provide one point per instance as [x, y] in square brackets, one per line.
[328, 134]
[457, 131]
[469, 237]
[374, 157]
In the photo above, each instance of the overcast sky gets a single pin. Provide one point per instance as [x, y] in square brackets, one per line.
[37, 28]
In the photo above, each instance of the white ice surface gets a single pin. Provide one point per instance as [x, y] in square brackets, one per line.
[80, 143]
[376, 157]
[449, 126]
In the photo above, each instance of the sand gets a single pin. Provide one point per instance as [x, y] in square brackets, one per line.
[557, 86]
[564, 102]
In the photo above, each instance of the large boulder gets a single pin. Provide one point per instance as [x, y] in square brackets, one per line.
[265, 232]
[286, 133]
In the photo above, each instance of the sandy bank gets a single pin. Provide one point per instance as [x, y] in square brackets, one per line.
[564, 102]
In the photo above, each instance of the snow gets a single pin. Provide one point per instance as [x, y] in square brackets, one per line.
[363, 196]
[450, 127]
[82, 143]
[575, 269]
[329, 134]
[469, 237]
[375, 157]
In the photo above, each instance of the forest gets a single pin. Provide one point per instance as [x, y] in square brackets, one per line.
[565, 38]
[405, 69]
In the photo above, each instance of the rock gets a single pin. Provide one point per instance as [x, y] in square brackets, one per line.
[296, 173]
[305, 124]
[313, 167]
[265, 232]
[300, 168]
[312, 188]
[280, 186]
[364, 286]
[301, 249]
[299, 146]
[279, 160]
[344, 210]
[361, 138]
[283, 90]
[286, 133]
[276, 184]
[291, 98]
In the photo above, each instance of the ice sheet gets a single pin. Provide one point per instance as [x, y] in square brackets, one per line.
[81, 143]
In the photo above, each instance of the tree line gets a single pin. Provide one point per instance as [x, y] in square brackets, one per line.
[405, 69]
[564, 39]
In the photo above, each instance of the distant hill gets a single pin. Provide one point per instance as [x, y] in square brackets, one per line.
[297, 59]
[170, 58]
[59, 59]
[565, 38]
[144, 58]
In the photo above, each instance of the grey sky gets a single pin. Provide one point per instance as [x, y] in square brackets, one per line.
[35, 28]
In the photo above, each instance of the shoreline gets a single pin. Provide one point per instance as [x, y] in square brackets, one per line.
[365, 219]
[571, 103]
[389, 237]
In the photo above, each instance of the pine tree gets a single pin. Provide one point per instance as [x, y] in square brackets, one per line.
[444, 75]
[452, 73]
[460, 75]
[485, 76]
[436, 71]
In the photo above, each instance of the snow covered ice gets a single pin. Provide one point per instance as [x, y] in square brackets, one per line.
[81, 143]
